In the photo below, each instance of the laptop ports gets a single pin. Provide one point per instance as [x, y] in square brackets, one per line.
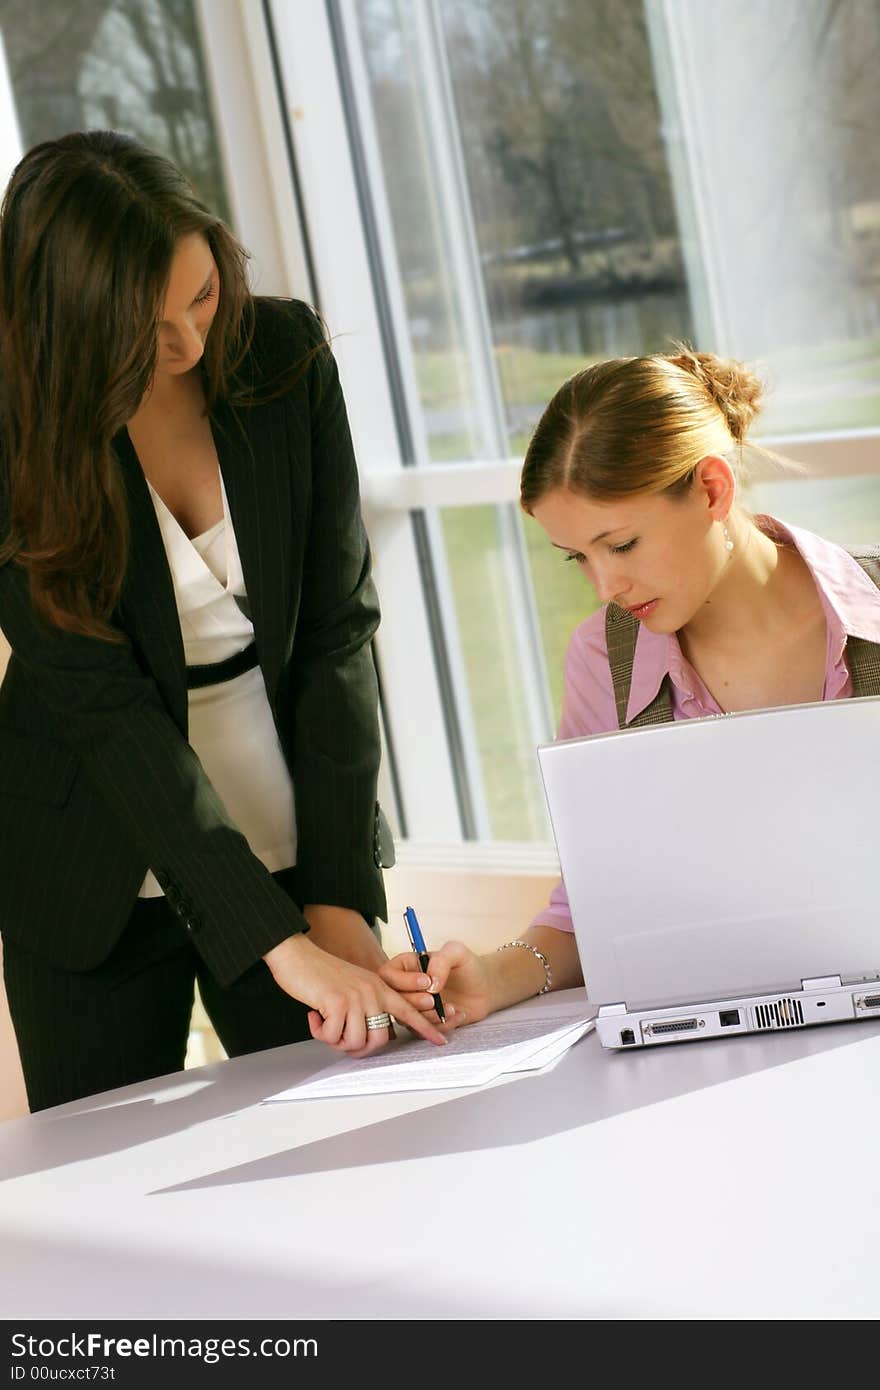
[627, 1037]
[868, 1001]
[729, 1018]
[674, 1025]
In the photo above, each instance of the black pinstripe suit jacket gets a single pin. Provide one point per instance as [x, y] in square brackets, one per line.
[97, 779]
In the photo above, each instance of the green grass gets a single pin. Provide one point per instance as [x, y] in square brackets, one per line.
[483, 605]
[526, 376]
[843, 413]
[563, 599]
[838, 387]
[840, 352]
[483, 609]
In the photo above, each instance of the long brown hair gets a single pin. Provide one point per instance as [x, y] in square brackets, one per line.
[640, 425]
[88, 230]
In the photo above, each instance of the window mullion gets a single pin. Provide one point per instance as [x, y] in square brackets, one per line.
[412, 433]
[250, 130]
[681, 125]
[10, 136]
[344, 287]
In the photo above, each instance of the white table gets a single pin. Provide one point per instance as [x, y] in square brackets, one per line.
[725, 1179]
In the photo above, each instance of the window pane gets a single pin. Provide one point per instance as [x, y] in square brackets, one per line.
[401, 73]
[846, 510]
[569, 184]
[774, 115]
[129, 65]
[484, 611]
[569, 206]
[564, 600]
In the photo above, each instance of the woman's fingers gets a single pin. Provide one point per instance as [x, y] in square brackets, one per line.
[404, 1012]
[416, 989]
[344, 1026]
[405, 960]
[454, 1017]
[330, 1025]
[376, 1038]
[403, 973]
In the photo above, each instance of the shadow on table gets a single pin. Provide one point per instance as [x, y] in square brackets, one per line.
[122, 1119]
[586, 1086]
[78, 1281]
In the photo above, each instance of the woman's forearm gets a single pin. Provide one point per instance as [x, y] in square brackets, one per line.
[515, 975]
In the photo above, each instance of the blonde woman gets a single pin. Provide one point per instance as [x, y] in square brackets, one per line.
[633, 474]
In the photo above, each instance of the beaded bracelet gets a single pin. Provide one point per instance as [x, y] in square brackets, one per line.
[525, 945]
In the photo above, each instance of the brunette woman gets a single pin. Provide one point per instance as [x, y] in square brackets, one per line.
[188, 722]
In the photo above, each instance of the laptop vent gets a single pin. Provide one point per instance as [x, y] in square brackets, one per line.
[783, 1013]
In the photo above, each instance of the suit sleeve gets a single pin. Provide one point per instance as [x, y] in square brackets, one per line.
[111, 715]
[336, 745]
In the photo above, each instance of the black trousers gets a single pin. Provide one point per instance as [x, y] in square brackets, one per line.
[128, 1020]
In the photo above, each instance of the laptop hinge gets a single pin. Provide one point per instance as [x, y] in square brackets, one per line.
[612, 1009]
[822, 982]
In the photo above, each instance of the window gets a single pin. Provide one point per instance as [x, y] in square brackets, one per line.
[523, 186]
[130, 65]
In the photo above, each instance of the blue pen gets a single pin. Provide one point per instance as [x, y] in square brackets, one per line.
[417, 941]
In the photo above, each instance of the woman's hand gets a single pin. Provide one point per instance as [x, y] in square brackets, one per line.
[473, 986]
[344, 933]
[341, 997]
[463, 978]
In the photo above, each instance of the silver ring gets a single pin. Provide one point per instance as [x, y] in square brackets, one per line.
[378, 1021]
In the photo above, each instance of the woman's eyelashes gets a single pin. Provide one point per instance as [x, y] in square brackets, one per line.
[581, 559]
[206, 294]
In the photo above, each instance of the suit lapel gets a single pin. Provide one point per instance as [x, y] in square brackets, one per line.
[257, 485]
[147, 601]
[863, 660]
[257, 482]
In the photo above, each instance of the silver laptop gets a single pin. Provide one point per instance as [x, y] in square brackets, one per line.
[723, 872]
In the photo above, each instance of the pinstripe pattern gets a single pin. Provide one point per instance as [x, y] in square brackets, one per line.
[622, 631]
[98, 782]
[81, 1032]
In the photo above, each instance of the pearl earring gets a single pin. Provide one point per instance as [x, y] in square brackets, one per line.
[728, 543]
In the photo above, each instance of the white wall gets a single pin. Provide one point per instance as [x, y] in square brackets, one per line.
[483, 908]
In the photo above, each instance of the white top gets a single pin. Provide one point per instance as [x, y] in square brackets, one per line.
[230, 725]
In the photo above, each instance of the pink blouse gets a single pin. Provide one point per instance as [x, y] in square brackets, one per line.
[852, 609]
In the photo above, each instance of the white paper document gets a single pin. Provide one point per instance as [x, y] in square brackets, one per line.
[475, 1054]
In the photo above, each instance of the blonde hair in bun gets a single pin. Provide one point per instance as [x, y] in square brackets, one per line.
[734, 387]
[641, 425]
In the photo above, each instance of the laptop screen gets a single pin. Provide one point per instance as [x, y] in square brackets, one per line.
[715, 857]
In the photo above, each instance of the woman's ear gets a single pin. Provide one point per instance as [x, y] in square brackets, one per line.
[716, 484]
